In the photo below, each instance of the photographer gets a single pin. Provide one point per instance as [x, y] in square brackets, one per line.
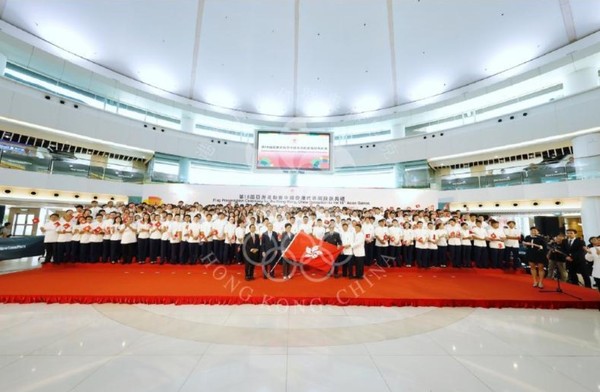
[556, 258]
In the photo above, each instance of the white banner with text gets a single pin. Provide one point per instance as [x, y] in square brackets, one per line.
[292, 196]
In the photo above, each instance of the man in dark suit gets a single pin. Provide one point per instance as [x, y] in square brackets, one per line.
[286, 240]
[251, 252]
[574, 248]
[269, 248]
[333, 237]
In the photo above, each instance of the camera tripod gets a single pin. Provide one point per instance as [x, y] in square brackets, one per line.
[556, 276]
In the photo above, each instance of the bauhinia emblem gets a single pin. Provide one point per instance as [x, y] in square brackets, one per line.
[313, 252]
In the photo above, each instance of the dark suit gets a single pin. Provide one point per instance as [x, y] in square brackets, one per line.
[334, 238]
[286, 240]
[251, 259]
[269, 249]
[578, 265]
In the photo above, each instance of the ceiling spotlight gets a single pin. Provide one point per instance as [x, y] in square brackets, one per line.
[535, 203]
[7, 191]
[56, 195]
[33, 193]
[77, 196]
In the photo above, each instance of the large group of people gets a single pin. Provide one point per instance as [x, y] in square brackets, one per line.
[257, 234]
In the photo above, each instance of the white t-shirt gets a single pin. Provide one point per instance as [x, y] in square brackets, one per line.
[497, 238]
[396, 234]
[465, 236]
[50, 234]
[115, 233]
[481, 233]
[143, 230]
[129, 233]
[508, 232]
[453, 235]
[347, 239]
[381, 236]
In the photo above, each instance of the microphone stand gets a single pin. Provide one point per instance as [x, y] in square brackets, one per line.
[556, 273]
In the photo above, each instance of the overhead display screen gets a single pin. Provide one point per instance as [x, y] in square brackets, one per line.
[293, 151]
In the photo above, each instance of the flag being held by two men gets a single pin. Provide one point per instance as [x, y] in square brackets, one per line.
[308, 250]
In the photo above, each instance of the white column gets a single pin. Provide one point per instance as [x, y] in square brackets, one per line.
[581, 80]
[3, 61]
[590, 216]
[187, 123]
[398, 131]
[586, 151]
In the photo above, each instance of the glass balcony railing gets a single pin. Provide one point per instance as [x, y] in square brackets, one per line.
[523, 175]
[34, 160]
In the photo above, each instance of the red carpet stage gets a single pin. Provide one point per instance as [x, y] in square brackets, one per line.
[200, 284]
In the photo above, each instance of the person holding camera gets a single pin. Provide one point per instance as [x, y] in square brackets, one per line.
[556, 258]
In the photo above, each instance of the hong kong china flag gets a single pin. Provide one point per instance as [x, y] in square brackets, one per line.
[308, 250]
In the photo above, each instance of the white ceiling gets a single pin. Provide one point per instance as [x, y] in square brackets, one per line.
[305, 57]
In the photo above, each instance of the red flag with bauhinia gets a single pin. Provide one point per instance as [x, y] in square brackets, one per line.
[308, 250]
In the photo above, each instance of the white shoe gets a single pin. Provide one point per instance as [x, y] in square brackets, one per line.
[535, 284]
[541, 285]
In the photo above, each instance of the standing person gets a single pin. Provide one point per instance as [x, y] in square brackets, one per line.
[454, 242]
[466, 237]
[442, 244]
[63, 242]
[333, 237]
[356, 270]
[115, 239]
[496, 238]
[269, 246]
[286, 240]
[573, 247]
[76, 238]
[207, 236]
[432, 247]
[85, 239]
[511, 252]
[175, 239]
[346, 258]
[128, 238]
[593, 255]
[240, 232]
[194, 240]
[218, 228]
[165, 244]
[536, 256]
[421, 238]
[556, 258]
[369, 229]
[96, 239]
[143, 238]
[107, 223]
[381, 243]
[229, 247]
[50, 237]
[480, 253]
[251, 252]
[408, 245]
[184, 246]
[319, 229]
[155, 238]
[396, 234]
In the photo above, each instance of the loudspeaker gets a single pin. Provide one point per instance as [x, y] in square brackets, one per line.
[2, 211]
[548, 225]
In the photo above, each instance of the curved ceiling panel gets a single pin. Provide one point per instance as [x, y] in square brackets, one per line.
[313, 58]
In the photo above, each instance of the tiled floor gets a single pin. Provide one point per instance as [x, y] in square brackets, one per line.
[184, 348]
[277, 348]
